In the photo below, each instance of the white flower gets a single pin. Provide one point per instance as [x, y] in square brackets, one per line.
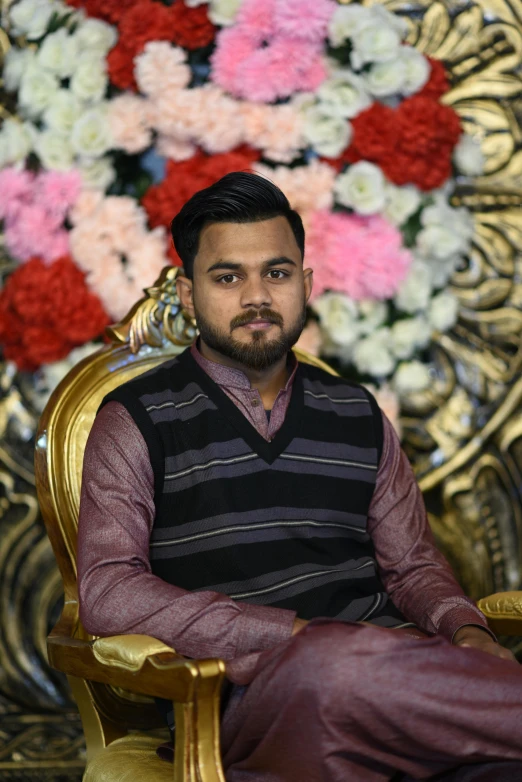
[31, 17]
[385, 18]
[345, 22]
[375, 43]
[96, 174]
[37, 89]
[343, 94]
[401, 203]
[443, 311]
[372, 355]
[328, 135]
[408, 335]
[91, 134]
[16, 62]
[458, 220]
[414, 293]
[438, 242]
[446, 232]
[442, 271]
[89, 81]
[93, 35]
[194, 3]
[361, 187]
[338, 318]
[386, 78]
[62, 112]
[223, 12]
[410, 377]
[417, 69]
[16, 142]
[373, 314]
[468, 156]
[58, 53]
[54, 150]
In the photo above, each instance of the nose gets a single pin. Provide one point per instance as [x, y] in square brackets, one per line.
[255, 294]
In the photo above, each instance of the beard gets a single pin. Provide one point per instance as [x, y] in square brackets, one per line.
[261, 352]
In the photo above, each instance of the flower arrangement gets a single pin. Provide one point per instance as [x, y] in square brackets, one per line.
[122, 110]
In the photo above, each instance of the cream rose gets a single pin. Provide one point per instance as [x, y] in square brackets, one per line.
[62, 112]
[414, 293]
[16, 142]
[374, 43]
[372, 315]
[93, 35]
[343, 94]
[411, 377]
[16, 62]
[408, 335]
[439, 242]
[372, 355]
[54, 150]
[361, 188]
[328, 135]
[37, 90]
[58, 53]
[401, 203]
[338, 318]
[443, 311]
[416, 69]
[346, 21]
[91, 134]
[386, 78]
[223, 12]
[31, 17]
[96, 174]
[468, 156]
[89, 80]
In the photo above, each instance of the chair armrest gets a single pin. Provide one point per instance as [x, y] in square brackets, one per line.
[148, 667]
[503, 611]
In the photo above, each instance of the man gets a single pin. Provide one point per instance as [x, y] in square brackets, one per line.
[238, 504]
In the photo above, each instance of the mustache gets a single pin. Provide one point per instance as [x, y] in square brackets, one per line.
[250, 315]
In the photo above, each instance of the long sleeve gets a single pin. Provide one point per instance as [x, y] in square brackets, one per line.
[118, 591]
[414, 572]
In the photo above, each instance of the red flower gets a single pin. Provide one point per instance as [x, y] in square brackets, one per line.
[375, 134]
[145, 21]
[120, 66]
[437, 85]
[163, 201]
[192, 29]
[46, 311]
[108, 10]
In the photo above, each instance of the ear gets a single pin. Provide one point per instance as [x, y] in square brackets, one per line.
[184, 287]
[308, 275]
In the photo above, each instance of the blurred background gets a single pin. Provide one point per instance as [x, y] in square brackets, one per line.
[394, 128]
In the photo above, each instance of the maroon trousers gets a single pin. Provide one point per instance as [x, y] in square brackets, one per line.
[343, 702]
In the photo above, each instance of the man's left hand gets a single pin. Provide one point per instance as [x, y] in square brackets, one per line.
[476, 638]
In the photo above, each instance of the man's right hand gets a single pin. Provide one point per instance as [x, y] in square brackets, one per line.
[298, 625]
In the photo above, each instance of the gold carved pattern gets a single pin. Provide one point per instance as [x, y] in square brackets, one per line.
[464, 436]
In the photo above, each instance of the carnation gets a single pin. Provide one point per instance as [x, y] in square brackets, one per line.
[129, 123]
[161, 67]
[307, 188]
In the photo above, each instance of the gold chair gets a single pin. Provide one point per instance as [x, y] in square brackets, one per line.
[114, 679]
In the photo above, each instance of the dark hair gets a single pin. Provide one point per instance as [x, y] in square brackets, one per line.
[239, 197]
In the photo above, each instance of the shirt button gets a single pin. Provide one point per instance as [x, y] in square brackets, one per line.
[255, 402]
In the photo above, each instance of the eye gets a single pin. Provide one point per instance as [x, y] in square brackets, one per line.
[227, 279]
[279, 272]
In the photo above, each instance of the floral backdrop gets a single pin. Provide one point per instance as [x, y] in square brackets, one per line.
[117, 111]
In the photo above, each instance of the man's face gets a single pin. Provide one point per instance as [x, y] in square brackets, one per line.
[249, 291]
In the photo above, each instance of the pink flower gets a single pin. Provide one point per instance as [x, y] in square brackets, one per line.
[171, 147]
[259, 60]
[160, 67]
[58, 191]
[129, 123]
[86, 204]
[308, 188]
[57, 247]
[289, 16]
[16, 189]
[362, 257]
[277, 130]
[29, 234]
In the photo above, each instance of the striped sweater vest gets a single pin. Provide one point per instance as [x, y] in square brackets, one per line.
[280, 523]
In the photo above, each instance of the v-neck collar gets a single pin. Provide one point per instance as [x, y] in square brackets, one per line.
[266, 450]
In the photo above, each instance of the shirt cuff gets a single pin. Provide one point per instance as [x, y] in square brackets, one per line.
[262, 627]
[459, 616]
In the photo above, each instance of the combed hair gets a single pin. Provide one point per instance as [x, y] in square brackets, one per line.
[239, 197]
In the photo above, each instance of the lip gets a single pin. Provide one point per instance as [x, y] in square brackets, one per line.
[257, 325]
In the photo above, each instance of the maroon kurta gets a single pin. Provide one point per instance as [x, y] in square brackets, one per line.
[119, 594]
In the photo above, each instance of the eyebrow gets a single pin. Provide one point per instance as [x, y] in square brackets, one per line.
[235, 265]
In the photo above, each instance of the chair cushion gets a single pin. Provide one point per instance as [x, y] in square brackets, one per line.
[127, 651]
[129, 759]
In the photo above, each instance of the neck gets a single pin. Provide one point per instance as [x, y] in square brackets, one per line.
[268, 381]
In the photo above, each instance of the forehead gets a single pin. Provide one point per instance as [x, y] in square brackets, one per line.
[247, 242]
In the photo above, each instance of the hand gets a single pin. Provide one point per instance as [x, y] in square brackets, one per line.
[298, 625]
[476, 638]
